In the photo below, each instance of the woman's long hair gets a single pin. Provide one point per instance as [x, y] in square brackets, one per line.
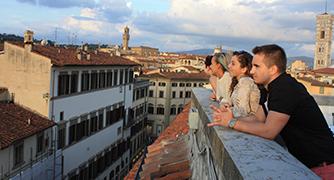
[245, 60]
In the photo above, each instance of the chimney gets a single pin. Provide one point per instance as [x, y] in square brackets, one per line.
[28, 40]
[85, 47]
[79, 55]
[29, 121]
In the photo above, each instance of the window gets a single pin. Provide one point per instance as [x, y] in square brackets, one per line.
[115, 78]
[63, 84]
[163, 84]
[61, 138]
[180, 108]
[201, 84]
[102, 76]
[131, 76]
[74, 82]
[109, 79]
[173, 94]
[126, 76]
[322, 34]
[321, 90]
[72, 134]
[18, 154]
[181, 94]
[174, 84]
[161, 94]
[40, 143]
[85, 81]
[188, 84]
[152, 83]
[195, 85]
[61, 116]
[150, 108]
[93, 80]
[181, 84]
[112, 174]
[121, 76]
[119, 130]
[100, 119]
[159, 129]
[93, 123]
[188, 94]
[150, 93]
[173, 110]
[160, 109]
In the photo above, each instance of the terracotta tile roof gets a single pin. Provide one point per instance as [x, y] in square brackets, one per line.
[68, 57]
[132, 174]
[168, 156]
[324, 71]
[190, 68]
[315, 82]
[183, 76]
[14, 124]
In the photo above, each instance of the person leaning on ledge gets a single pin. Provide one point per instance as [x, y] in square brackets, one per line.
[288, 110]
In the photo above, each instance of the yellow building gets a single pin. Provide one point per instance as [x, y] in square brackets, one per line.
[145, 51]
[298, 66]
[316, 87]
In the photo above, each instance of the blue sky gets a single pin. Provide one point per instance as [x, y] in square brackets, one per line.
[170, 25]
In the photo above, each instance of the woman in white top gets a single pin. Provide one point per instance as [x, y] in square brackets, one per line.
[245, 94]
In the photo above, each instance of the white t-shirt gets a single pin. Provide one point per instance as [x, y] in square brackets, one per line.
[223, 93]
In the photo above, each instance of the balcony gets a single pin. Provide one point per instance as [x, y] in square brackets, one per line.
[222, 153]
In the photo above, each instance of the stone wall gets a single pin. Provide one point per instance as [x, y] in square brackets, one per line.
[222, 153]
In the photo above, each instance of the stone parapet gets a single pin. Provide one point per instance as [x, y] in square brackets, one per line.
[222, 153]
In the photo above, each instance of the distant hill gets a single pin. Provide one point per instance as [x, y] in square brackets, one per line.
[197, 52]
[306, 59]
[10, 37]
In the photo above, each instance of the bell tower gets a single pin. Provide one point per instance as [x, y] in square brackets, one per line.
[126, 37]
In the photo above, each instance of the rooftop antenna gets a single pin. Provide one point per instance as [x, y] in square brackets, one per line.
[326, 7]
[56, 35]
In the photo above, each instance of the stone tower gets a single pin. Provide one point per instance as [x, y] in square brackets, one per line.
[126, 37]
[324, 33]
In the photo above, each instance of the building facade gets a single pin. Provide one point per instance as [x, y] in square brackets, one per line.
[88, 94]
[167, 94]
[138, 119]
[145, 51]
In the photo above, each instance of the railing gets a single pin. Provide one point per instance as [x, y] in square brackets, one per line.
[222, 153]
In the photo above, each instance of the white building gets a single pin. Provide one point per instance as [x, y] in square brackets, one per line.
[168, 93]
[137, 119]
[86, 93]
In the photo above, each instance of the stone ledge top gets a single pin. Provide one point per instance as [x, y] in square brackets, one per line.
[254, 157]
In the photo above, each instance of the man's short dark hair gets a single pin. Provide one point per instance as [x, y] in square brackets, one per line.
[274, 55]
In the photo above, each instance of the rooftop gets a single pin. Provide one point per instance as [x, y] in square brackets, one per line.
[168, 156]
[68, 56]
[324, 71]
[315, 82]
[179, 76]
[17, 123]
